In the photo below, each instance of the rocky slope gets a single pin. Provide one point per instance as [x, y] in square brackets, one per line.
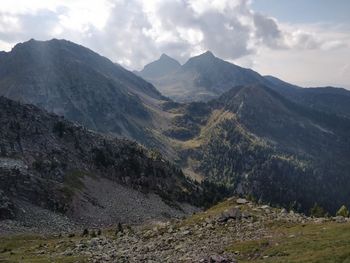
[236, 230]
[48, 164]
[254, 141]
[75, 82]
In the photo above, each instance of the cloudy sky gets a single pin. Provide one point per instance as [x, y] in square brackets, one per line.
[306, 42]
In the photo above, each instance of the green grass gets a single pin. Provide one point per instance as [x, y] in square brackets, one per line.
[328, 242]
[25, 248]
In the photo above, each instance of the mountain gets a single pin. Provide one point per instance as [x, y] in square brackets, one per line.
[52, 170]
[159, 68]
[267, 138]
[257, 142]
[326, 99]
[201, 78]
[75, 82]
[205, 77]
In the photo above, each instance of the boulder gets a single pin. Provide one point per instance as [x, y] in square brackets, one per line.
[217, 259]
[284, 211]
[241, 201]
[339, 219]
[233, 213]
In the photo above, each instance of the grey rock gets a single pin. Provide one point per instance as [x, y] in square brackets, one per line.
[339, 219]
[233, 213]
[284, 211]
[241, 201]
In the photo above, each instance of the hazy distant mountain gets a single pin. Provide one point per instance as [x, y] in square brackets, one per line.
[326, 99]
[205, 77]
[201, 78]
[159, 68]
[260, 143]
[73, 81]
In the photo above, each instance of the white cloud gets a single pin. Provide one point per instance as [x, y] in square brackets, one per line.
[134, 32]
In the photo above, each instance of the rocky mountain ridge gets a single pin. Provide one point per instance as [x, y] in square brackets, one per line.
[77, 83]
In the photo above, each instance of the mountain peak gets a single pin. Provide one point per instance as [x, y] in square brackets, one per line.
[74, 70]
[161, 67]
[208, 53]
[165, 56]
[205, 57]
[39, 44]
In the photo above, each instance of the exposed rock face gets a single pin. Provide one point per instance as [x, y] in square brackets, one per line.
[47, 162]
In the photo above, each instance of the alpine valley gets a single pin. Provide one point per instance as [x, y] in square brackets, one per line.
[87, 144]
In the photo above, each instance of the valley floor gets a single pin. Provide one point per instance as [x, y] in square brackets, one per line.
[233, 231]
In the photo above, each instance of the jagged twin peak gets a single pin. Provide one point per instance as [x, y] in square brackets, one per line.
[73, 81]
[201, 78]
[206, 76]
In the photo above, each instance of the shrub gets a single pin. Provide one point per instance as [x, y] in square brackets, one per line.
[93, 234]
[85, 232]
[317, 211]
[119, 229]
[59, 128]
[343, 211]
